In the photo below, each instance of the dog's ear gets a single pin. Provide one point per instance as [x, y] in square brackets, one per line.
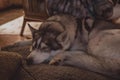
[61, 37]
[31, 28]
[64, 40]
[103, 9]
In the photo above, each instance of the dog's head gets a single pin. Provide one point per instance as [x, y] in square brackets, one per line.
[103, 8]
[47, 42]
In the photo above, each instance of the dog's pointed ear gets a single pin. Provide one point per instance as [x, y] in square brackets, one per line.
[64, 40]
[31, 28]
[61, 37]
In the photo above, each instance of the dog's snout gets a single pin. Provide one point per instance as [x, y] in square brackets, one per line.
[29, 60]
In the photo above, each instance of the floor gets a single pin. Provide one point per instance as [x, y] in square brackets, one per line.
[10, 27]
[10, 14]
[9, 39]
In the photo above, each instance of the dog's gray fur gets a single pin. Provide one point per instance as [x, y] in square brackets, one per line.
[103, 51]
[59, 33]
[103, 55]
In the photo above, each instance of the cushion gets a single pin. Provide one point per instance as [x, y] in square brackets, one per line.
[9, 63]
[50, 72]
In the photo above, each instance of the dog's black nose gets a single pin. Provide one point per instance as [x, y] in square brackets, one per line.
[29, 61]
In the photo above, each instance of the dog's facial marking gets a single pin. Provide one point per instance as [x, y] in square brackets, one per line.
[39, 40]
[36, 43]
[42, 53]
[49, 40]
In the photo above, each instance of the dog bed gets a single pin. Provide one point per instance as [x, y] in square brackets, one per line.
[49, 72]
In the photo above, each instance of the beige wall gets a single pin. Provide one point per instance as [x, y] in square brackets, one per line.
[4, 4]
[16, 2]
[7, 3]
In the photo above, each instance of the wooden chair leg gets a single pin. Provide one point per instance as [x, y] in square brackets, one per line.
[23, 27]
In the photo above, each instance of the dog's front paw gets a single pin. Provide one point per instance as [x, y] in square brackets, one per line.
[58, 59]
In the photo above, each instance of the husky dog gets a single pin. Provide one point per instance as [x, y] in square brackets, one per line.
[103, 55]
[57, 34]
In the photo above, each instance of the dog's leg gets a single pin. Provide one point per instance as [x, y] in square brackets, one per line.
[77, 59]
[83, 60]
